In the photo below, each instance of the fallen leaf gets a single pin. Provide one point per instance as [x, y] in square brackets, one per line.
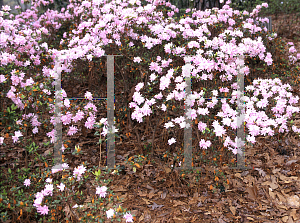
[155, 206]
[290, 162]
[233, 210]
[293, 214]
[293, 201]
[147, 201]
[285, 218]
[261, 172]
[178, 203]
[164, 194]
[252, 191]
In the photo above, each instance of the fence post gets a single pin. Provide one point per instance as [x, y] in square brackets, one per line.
[110, 113]
[188, 146]
[240, 117]
[240, 134]
[58, 127]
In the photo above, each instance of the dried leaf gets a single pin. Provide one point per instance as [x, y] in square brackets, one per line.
[290, 162]
[147, 201]
[233, 210]
[293, 201]
[155, 206]
[252, 192]
[178, 203]
[261, 172]
[164, 194]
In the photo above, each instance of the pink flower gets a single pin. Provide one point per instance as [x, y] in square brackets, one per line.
[169, 124]
[67, 103]
[2, 78]
[79, 171]
[16, 136]
[110, 213]
[15, 80]
[78, 116]
[101, 191]
[65, 166]
[201, 126]
[43, 210]
[268, 59]
[27, 182]
[35, 130]
[138, 98]
[61, 187]
[89, 123]
[1, 140]
[128, 217]
[204, 144]
[139, 86]
[6, 8]
[88, 95]
[164, 83]
[137, 59]
[72, 130]
[219, 130]
[292, 50]
[66, 119]
[171, 141]
[38, 201]
[55, 170]
[48, 189]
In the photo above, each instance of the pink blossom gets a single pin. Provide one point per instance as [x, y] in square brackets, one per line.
[35, 130]
[43, 209]
[48, 189]
[110, 213]
[79, 115]
[88, 95]
[139, 86]
[72, 130]
[171, 141]
[138, 98]
[2, 78]
[101, 191]
[66, 119]
[128, 217]
[61, 187]
[90, 106]
[137, 59]
[27, 182]
[201, 126]
[16, 136]
[164, 83]
[204, 144]
[90, 122]
[79, 171]
[292, 50]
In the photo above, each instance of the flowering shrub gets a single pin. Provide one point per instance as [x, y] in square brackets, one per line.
[214, 40]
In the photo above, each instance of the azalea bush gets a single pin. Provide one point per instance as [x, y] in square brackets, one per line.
[151, 42]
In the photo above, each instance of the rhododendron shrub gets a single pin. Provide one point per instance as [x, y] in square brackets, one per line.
[96, 19]
[213, 40]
